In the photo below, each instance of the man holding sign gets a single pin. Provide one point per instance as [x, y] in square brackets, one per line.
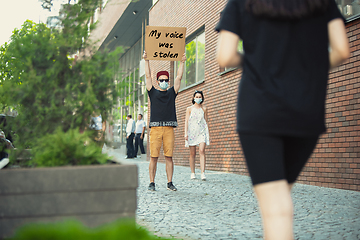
[162, 119]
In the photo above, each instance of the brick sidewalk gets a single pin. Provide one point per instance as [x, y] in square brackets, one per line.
[224, 207]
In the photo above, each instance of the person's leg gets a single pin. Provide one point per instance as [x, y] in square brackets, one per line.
[291, 186]
[169, 168]
[202, 160]
[192, 158]
[131, 145]
[141, 143]
[265, 161]
[137, 137]
[276, 209]
[4, 160]
[202, 157]
[168, 145]
[297, 151]
[155, 145]
[128, 147]
[152, 168]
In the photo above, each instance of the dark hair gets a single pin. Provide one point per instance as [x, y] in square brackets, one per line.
[141, 115]
[129, 116]
[286, 9]
[202, 96]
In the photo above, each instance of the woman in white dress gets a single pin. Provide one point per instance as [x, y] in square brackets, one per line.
[197, 132]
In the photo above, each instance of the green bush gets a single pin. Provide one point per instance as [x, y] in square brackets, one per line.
[74, 230]
[67, 148]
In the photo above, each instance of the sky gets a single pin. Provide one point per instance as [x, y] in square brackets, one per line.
[13, 14]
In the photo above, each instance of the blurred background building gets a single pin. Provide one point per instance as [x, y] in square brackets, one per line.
[336, 160]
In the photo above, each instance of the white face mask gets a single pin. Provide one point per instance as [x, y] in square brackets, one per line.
[164, 85]
[198, 100]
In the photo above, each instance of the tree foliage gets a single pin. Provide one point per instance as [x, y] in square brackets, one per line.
[48, 87]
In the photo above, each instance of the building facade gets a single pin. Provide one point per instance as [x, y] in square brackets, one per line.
[336, 160]
[122, 23]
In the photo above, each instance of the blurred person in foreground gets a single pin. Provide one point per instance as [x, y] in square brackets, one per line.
[289, 48]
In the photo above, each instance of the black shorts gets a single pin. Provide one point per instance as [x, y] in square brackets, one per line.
[270, 158]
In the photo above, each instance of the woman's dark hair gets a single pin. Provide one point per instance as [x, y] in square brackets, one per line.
[202, 96]
[286, 9]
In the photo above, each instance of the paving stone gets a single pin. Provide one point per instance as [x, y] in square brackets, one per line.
[224, 207]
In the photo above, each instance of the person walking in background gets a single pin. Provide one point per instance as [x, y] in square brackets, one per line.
[162, 119]
[139, 135]
[130, 129]
[289, 47]
[98, 126]
[197, 132]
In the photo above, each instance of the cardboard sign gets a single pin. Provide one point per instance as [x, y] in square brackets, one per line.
[165, 43]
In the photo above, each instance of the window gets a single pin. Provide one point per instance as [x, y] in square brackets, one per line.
[132, 89]
[350, 9]
[154, 1]
[194, 70]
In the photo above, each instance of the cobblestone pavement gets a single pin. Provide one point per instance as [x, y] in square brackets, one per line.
[224, 207]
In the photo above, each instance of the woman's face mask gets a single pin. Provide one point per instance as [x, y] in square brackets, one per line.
[198, 100]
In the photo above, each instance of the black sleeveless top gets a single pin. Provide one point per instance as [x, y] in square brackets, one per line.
[162, 107]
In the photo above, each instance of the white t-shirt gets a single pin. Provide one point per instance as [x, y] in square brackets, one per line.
[130, 127]
[96, 123]
[140, 124]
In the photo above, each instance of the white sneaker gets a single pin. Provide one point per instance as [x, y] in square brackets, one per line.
[203, 177]
[192, 176]
[3, 162]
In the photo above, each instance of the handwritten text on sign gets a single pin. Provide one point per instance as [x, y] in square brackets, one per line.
[165, 43]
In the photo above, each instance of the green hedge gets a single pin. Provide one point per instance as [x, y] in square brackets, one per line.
[67, 148]
[74, 230]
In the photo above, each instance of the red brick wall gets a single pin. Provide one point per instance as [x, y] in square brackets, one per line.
[335, 162]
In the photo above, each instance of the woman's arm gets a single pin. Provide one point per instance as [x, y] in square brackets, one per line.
[339, 42]
[227, 54]
[205, 114]
[188, 111]
[142, 133]
[206, 119]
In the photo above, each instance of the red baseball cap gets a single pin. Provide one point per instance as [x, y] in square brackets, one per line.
[162, 73]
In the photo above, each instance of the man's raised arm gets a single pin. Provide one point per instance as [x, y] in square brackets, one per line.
[147, 73]
[179, 75]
